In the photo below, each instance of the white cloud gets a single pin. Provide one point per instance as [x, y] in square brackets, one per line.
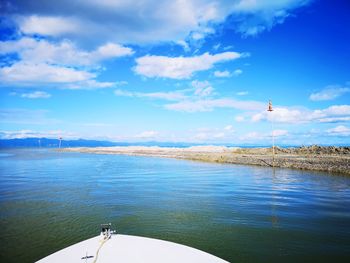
[217, 46]
[184, 45]
[335, 113]
[41, 61]
[214, 134]
[228, 47]
[237, 72]
[20, 134]
[26, 73]
[180, 67]
[280, 115]
[279, 133]
[171, 96]
[36, 95]
[199, 98]
[252, 136]
[201, 136]
[90, 84]
[254, 17]
[124, 93]
[147, 135]
[121, 21]
[64, 53]
[263, 137]
[329, 93]
[146, 21]
[197, 35]
[239, 119]
[208, 136]
[202, 88]
[222, 74]
[228, 128]
[219, 135]
[198, 90]
[251, 6]
[203, 105]
[111, 50]
[340, 130]
[48, 25]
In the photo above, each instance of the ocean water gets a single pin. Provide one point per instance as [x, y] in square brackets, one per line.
[50, 200]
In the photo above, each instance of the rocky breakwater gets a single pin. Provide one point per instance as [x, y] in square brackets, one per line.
[319, 158]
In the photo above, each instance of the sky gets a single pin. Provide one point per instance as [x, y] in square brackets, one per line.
[196, 71]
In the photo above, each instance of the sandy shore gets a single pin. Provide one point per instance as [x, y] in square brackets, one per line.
[330, 159]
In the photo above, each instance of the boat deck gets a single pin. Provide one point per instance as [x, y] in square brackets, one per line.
[124, 248]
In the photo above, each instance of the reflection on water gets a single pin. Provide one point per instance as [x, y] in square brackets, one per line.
[50, 200]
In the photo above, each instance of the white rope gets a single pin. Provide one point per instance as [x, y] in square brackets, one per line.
[102, 243]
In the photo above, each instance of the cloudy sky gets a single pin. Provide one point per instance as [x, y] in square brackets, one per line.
[179, 71]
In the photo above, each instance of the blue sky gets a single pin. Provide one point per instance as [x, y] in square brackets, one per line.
[198, 71]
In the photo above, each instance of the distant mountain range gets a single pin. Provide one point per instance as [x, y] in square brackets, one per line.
[54, 143]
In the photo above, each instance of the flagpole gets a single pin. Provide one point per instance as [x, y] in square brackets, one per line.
[273, 142]
[270, 109]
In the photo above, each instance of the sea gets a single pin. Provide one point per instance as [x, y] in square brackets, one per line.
[50, 200]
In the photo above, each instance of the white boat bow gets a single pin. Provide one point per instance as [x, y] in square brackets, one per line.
[112, 247]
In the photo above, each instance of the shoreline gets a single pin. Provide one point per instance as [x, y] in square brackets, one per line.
[316, 158]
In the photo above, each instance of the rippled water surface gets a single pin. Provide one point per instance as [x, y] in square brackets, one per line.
[49, 200]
